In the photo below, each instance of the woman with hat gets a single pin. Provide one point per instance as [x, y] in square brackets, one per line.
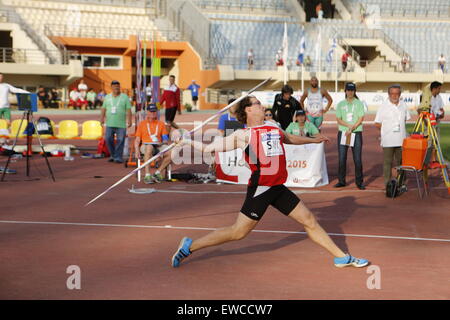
[302, 127]
[349, 116]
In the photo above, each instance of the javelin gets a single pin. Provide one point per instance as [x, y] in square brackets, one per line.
[173, 144]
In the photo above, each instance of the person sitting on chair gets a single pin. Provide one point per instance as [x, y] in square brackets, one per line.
[154, 136]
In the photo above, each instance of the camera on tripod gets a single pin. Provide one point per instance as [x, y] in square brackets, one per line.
[27, 102]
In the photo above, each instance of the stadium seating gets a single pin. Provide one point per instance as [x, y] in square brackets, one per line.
[91, 130]
[68, 129]
[17, 128]
[3, 124]
[407, 9]
[83, 20]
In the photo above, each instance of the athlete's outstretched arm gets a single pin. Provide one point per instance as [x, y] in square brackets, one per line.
[237, 139]
[294, 139]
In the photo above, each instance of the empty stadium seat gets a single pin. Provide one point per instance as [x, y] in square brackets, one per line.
[17, 128]
[3, 124]
[68, 129]
[91, 130]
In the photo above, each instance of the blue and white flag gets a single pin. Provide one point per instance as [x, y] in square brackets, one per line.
[302, 49]
[331, 51]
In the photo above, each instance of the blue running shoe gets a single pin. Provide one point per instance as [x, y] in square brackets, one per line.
[348, 260]
[182, 252]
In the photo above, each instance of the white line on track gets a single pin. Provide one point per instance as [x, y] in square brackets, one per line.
[244, 192]
[211, 229]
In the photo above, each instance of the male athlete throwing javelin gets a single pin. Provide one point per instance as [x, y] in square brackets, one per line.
[262, 143]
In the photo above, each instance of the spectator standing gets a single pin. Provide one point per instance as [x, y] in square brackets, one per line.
[349, 116]
[437, 104]
[195, 89]
[391, 120]
[441, 63]
[250, 59]
[148, 92]
[279, 58]
[405, 62]
[5, 90]
[117, 110]
[308, 62]
[154, 136]
[437, 108]
[314, 108]
[172, 100]
[285, 106]
[228, 122]
[319, 11]
[344, 60]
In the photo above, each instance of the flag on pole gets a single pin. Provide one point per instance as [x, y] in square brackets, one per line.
[331, 51]
[138, 73]
[285, 45]
[156, 74]
[285, 52]
[301, 55]
[144, 74]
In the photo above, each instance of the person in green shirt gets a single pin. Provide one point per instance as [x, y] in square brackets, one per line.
[301, 127]
[349, 116]
[90, 97]
[117, 109]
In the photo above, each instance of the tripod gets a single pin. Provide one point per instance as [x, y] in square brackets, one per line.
[28, 114]
[427, 124]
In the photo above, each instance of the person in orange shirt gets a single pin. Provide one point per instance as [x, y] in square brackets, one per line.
[154, 137]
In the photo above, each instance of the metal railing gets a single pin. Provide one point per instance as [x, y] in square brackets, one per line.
[349, 31]
[122, 3]
[14, 17]
[243, 4]
[34, 56]
[192, 24]
[65, 30]
[268, 64]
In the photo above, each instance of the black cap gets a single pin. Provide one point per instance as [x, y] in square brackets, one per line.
[152, 107]
[115, 82]
[350, 86]
[300, 112]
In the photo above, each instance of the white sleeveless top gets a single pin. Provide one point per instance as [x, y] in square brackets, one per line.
[314, 106]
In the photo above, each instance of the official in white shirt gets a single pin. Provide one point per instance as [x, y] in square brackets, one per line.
[437, 104]
[5, 90]
[391, 119]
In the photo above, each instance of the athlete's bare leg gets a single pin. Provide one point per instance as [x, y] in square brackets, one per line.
[303, 215]
[237, 231]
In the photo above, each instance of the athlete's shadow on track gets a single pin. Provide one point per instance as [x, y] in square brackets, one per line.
[330, 218]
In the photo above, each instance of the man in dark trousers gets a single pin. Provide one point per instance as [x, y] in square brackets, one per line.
[285, 106]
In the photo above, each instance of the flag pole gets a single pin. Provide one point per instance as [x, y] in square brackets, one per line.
[320, 56]
[336, 69]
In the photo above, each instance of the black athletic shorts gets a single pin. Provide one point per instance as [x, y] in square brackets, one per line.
[259, 198]
[194, 98]
[170, 114]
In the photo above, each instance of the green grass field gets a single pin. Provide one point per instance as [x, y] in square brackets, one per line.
[445, 138]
